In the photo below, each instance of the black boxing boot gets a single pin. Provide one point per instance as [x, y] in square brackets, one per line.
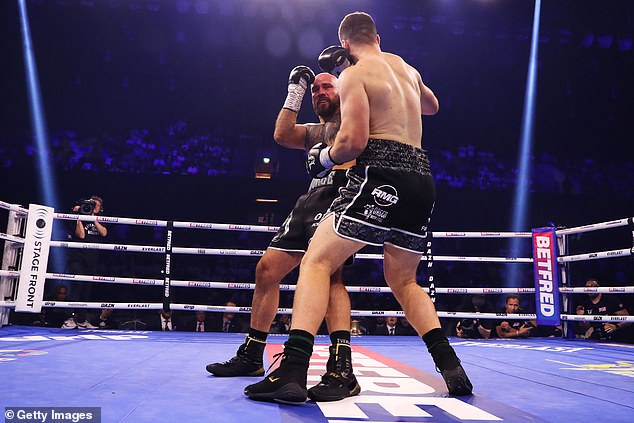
[287, 383]
[447, 363]
[338, 382]
[247, 361]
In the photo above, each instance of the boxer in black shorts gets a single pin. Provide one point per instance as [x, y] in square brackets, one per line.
[389, 197]
[388, 200]
[291, 241]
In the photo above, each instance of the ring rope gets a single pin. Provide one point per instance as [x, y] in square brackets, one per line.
[257, 228]
[238, 227]
[354, 313]
[598, 255]
[14, 207]
[594, 227]
[256, 253]
[11, 238]
[292, 287]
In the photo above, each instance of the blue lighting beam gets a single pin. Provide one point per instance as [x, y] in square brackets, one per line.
[38, 122]
[520, 205]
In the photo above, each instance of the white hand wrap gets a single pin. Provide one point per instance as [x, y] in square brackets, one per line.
[295, 95]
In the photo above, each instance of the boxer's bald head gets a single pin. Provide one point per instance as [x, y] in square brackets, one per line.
[325, 95]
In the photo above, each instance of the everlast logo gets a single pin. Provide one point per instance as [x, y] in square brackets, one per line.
[385, 195]
[152, 249]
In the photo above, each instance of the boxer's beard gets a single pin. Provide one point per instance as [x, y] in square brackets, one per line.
[326, 112]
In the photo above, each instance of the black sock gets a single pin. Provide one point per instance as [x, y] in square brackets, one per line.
[254, 344]
[438, 346]
[299, 347]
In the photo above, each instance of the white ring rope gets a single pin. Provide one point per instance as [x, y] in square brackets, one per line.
[256, 253]
[594, 227]
[598, 255]
[353, 313]
[286, 287]
[256, 228]
[291, 287]
[11, 238]
[14, 207]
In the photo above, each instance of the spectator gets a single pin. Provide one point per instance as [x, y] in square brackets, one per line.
[105, 320]
[598, 304]
[200, 323]
[282, 324]
[514, 328]
[163, 321]
[406, 328]
[229, 323]
[390, 327]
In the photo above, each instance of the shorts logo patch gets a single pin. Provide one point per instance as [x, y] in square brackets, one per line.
[385, 195]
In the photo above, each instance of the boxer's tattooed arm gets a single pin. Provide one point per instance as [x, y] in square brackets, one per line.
[322, 132]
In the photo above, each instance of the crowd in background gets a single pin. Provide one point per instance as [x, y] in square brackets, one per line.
[176, 151]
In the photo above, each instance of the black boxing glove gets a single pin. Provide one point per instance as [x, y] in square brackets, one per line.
[319, 162]
[299, 79]
[334, 60]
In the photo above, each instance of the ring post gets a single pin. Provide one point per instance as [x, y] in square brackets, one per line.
[168, 256]
[546, 275]
[564, 270]
[39, 229]
[10, 261]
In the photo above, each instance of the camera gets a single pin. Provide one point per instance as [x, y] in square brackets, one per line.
[86, 207]
[468, 325]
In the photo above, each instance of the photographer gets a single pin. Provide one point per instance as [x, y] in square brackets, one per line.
[474, 328]
[89, 231]
[80, 261]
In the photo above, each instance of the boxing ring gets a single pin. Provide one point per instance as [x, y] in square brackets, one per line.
[138, 376]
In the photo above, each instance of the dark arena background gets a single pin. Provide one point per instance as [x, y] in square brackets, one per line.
[166, 109]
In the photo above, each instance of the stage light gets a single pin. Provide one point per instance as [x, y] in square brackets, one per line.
[520, 205]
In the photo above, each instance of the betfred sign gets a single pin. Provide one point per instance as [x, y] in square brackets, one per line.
[546, 275]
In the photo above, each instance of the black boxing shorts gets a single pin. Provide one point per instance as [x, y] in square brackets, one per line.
[301, 224]
[389, 197]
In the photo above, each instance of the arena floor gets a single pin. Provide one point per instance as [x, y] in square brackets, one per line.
[161, 377]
